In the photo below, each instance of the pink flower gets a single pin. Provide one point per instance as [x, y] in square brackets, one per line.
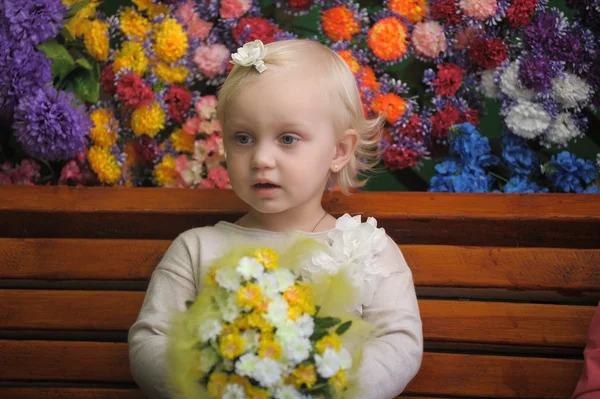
[206, 183]
[212, 59]
[429, 39]
[191, 126]
[70, 172]
[198, 28]
[219, 177]
[479, 9]
[465, 37]
[189, 173]
[209, 127]
[185, 12]
[206, 106]
[234, 8]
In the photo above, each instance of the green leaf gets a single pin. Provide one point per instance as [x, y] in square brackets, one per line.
[73, 10]
[188, 304]
[326, 322]
[343, 327]
[62, 62]
[87, 88]
[318, 334]
[83, 62]
[64, 32]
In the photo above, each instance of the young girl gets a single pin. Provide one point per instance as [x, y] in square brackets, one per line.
[293, 125]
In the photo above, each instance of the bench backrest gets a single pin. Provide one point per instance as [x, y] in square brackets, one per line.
[507, 284]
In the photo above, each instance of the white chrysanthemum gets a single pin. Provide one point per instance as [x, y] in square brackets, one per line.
[305, 325]
[250, 267]
[247, 365]
[285, 279]
[233, 391]
[345, 359]
[527, 119]
[510, 85]
[488, 86]
[297, 350]
[251, 339]
[267, 283]
[287, 331]
[563, 130]
[287, 392]
[230, 310]
[209, 329]
[571, 92]
[268, 372]
[228, 279]
[328, 363]
[208, 358]
[277, 312]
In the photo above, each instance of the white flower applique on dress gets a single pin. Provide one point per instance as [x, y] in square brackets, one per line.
[353, 247]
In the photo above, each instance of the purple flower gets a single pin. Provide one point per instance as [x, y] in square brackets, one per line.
[50, 126]
[540, 33]
[536, 73]
[22, 71]
[34, 21]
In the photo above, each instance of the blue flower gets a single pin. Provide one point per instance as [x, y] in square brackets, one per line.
[520, 184]
[473, 149]
[448, 166]
[517, 155]
[441, 184]
[49, 125]
[593, 189]
[476, 182]
[569, 173]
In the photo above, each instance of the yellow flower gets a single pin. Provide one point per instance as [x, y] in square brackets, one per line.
[70, 3]
[329, 341]
[96, 40]
[255, 320]
[182, 142]
[131, 56]
[294, 312]
[104, 164]
[304, 375]
[231, 346]
[171, 42]
[242, 322]
[134, 25]
[80, 23]
[216, 384]
[104, 132]
[299, 295]
[148, 120]
[257, 393]
[171, 74]
[249, 296]
[152, 9]
[165, 173]
[270, 349]
[339, 380]
[267, 257]
[211, 277]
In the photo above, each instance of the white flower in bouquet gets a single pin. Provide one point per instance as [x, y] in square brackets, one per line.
[487, 85]
[288, 392]
[527, 119]
[571, 91]
[328, 363]
[208, 359]
[209, 329]
[285, 279]
[229, 309]
[234, 391]
[268, 372]
[250, 268]
[563, 130]
[511, 86]
[277, 312]
[297, 350]
[268, 285]
[247, 365]
[228, 278]
[305, 325]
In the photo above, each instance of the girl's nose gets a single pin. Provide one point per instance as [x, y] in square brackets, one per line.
[263, 157]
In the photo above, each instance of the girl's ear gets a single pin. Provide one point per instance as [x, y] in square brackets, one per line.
[344, 150]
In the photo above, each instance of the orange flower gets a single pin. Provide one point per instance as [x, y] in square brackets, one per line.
[350, 60]
[413, 10]
[388, 39]
[368, 78]
[339, 23]
[392, 104]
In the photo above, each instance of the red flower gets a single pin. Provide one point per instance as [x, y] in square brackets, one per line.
[444, 120]
[133, 91]
[107, 80]
[146, 149]
[448, 80]
[471, 116]
[396, 158]
[487, 53]
[252, 28]
[446, 9]
[178, 101]
[300, 4]
[520, 12]
[413, 128]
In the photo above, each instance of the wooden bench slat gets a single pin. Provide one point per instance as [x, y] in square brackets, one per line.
[432, 265]
[443, 373]
[450, 321]
[552, 220]
[70, 393]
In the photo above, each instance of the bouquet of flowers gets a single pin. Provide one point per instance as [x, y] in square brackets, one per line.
[259, 330]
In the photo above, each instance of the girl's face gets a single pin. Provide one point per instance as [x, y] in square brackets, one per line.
[279, 129]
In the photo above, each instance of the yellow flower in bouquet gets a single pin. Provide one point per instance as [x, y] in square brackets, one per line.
[79, 24]
[171, 74]
[133, 25]
[171, 42]
[241, 338]
[96, 40]
[105, 129]
[182, 142]
[131, 56]
[104, 164]
[152, 9]
[148, 119]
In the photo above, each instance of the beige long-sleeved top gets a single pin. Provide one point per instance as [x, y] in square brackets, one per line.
[389, 362]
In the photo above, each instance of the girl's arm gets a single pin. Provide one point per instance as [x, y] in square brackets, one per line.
[171, 285]
[589, 382]
[394, 357]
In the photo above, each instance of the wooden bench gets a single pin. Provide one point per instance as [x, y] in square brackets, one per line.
[507, 284]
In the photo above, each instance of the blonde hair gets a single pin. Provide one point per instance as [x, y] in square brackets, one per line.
[339, 84]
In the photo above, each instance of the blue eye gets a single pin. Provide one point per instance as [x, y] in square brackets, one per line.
[288, 140]
[243, 138]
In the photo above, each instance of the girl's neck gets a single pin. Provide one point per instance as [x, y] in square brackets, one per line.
[315, 220]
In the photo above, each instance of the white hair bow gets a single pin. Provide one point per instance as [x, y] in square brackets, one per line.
[251, 54]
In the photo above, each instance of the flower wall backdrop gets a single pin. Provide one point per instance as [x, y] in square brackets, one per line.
[479, 95]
